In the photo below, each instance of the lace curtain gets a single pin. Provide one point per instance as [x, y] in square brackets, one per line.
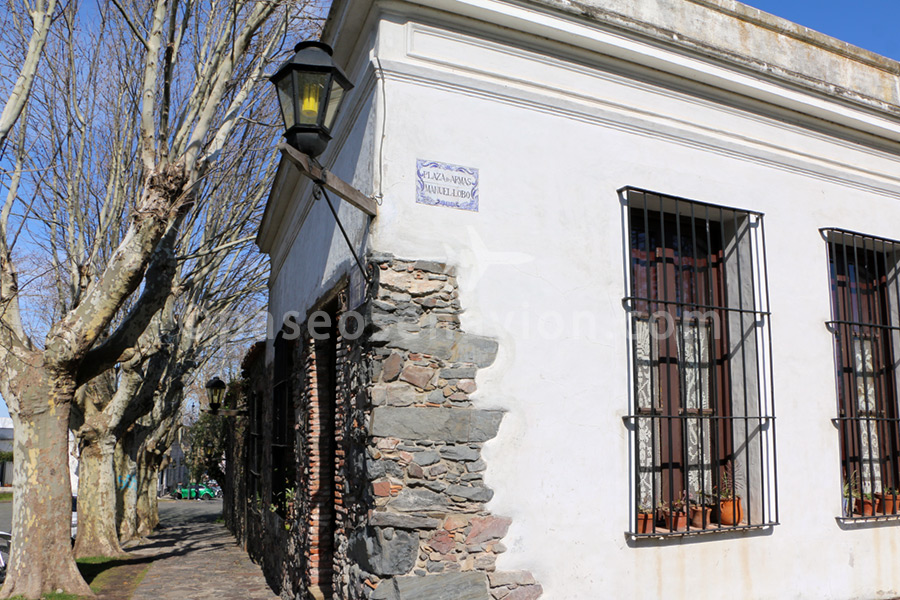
[864, 375]
[692, 340]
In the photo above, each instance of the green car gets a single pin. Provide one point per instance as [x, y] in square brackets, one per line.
[195, 491]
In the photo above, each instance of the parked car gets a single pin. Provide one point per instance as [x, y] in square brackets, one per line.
[214, 486]
[189, 492]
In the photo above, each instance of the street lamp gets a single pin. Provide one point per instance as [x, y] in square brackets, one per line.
[215, 392]
[311, 89]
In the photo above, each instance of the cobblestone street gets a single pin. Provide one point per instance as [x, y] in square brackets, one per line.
[197, 558]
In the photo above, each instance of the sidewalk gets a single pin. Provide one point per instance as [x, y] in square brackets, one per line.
[197, 558]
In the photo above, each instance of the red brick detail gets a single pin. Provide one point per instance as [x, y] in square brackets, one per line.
[325, 442]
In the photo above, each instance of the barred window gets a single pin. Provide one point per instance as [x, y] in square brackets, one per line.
[284, 470]
[702, 421]
[864, 295]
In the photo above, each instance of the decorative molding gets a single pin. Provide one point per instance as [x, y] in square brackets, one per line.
[603, 112]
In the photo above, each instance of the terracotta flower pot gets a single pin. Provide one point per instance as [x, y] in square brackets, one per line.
[866, 507]
[889, 504]
[731, 512]
[701, 516]
[674, 521]
[645, 523]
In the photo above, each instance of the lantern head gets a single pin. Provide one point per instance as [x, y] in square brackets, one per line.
[215, 392]
[311, 89]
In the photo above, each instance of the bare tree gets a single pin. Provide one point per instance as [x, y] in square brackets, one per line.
[216, 289]
[200, 65]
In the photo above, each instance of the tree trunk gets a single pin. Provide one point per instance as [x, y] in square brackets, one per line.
[97, 532]
[126, 517]
[147, 508]
[41, 560]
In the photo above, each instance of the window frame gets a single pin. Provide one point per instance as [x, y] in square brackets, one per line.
[878, 323]
[741, 234]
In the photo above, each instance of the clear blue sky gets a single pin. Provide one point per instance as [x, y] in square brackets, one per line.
[870, 24]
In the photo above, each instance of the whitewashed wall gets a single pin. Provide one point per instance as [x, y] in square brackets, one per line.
[554, 133]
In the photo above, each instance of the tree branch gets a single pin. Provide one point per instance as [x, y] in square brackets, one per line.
[157, 287]
[41, 19]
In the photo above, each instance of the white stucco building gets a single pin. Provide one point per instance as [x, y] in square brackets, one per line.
[559, 182]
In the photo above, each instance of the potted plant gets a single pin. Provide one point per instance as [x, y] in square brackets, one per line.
[645, 519]
[731, 511]
[889, 501]
[701, 511]
[674, 514]
[866, 505]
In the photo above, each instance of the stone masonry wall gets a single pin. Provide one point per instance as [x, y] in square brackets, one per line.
[410, 520]
[427, 532]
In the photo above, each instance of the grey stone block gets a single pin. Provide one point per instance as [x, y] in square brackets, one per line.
[394, 394]
[393, 554]
[444, 344]
[460, 453]
[431, 266]
[476, 349]
[435, 424]
[436, 342]
[477, 466]
[426, 458]
[458, 372]
[476, 494]
[380, 468]
[386, 519]
[446, 586]
[410, 500]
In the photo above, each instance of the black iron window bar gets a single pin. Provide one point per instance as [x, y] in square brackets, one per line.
[865, 323]
[283, 418]
[254, 455]
[702, 418]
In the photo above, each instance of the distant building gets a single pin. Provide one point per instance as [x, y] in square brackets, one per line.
[176, 472]
[6, 445]
[610, 234]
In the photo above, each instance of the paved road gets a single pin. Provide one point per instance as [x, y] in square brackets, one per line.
[197, 558]
[6, 516]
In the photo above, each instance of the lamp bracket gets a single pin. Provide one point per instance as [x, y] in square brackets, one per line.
[329, 180]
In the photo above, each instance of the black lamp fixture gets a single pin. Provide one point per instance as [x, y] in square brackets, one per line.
[215, 392]
[311, 89]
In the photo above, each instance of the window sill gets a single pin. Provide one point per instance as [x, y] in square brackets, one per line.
[662, 533]
[861, 520]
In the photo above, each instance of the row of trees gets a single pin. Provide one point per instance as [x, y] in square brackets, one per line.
[136, 146]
